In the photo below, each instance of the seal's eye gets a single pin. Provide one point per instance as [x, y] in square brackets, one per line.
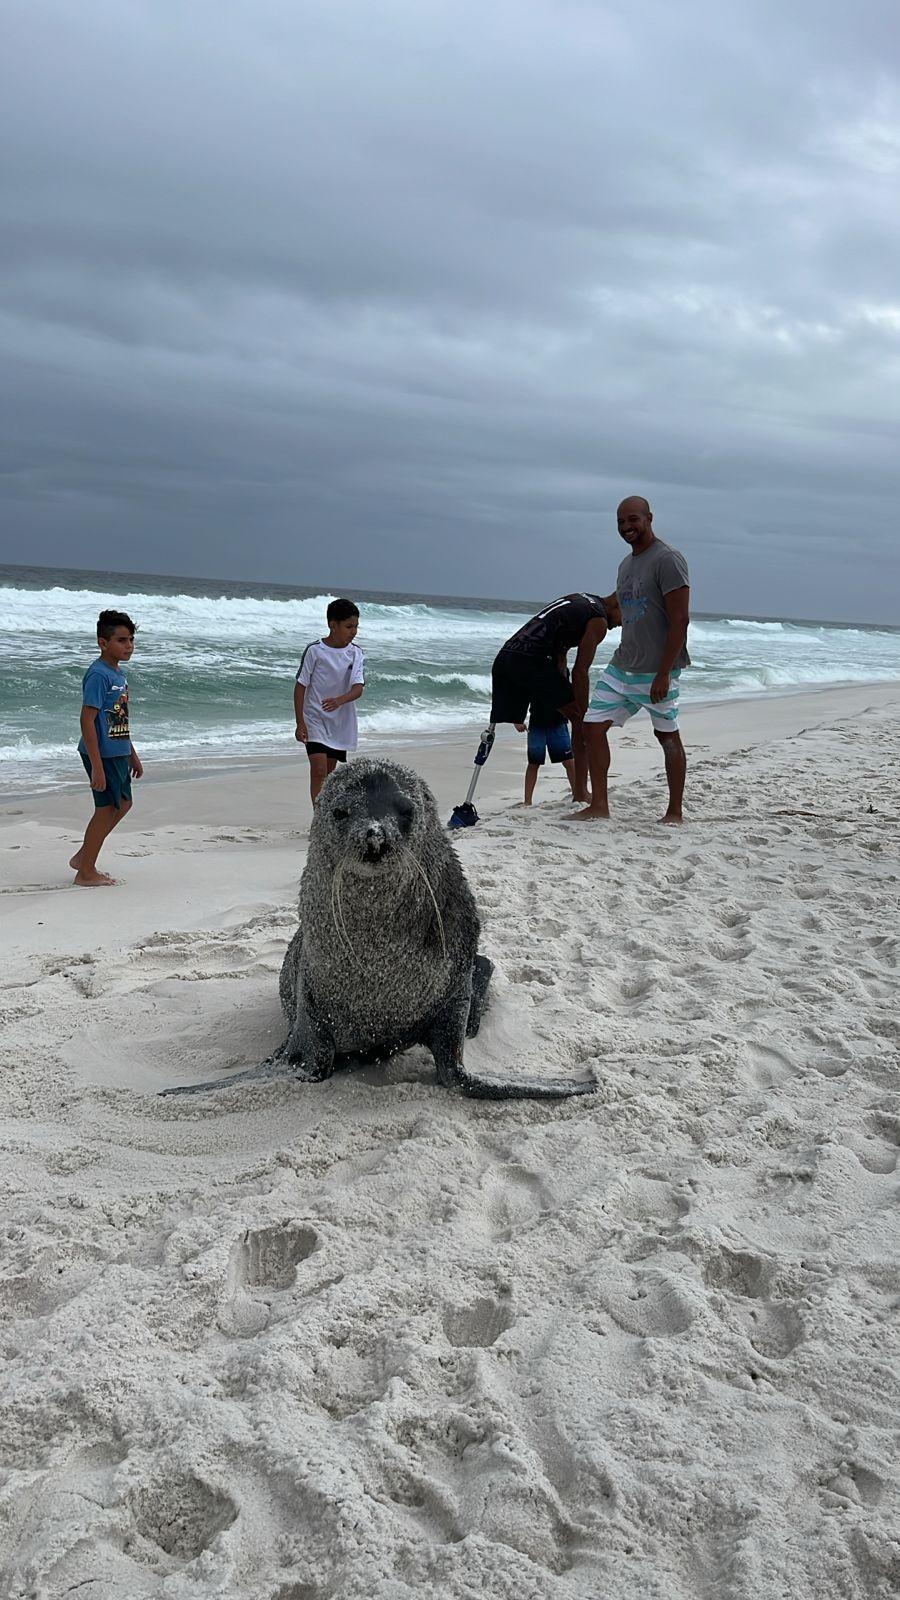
[339, 814]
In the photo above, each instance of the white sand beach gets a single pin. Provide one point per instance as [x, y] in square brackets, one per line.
[365, 1340]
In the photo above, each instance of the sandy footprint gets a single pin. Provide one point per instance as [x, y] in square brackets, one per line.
[179, 1516]
[645, 1302]
[768, 1064]
[478, 1325]
[773, 1327]
[513, 1197]
[262, 1263]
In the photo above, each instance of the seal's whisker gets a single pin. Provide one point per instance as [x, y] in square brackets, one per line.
[340, 920]
[337, 926]
[337, 910]
[337, 881]
[427, 882]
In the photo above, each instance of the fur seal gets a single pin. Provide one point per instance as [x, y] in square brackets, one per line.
[386, 954]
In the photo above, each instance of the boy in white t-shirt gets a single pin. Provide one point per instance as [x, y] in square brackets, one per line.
[329, 682]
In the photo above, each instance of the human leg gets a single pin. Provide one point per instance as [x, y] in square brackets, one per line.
[318, 772]
[98, 830]
[323, 758]
[664, 716]
[596, 735]
[561, 751]
[111, 804]
[537, 750]
[676, 771]
[579, 775]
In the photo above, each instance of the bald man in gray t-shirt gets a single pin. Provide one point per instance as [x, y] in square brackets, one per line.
[654, 593]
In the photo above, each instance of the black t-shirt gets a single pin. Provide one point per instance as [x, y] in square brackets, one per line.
[560, 626]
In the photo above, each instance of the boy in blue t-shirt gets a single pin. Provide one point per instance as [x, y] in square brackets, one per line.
[110, 759]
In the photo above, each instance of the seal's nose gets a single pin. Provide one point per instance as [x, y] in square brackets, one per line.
[376, 841]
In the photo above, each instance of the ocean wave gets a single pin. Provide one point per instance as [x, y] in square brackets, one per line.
[214, 676]
[795, 676]
[750, 622]
[73, 611]
[419, 717]
[476, 682]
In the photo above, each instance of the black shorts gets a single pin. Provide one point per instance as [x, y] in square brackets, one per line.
[519, 680]
[313, 748]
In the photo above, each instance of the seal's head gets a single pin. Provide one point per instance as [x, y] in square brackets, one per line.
[370, 815]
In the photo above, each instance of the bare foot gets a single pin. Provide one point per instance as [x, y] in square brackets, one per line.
[590, 815]
[76, 863]
[670, 820]
[95, 880]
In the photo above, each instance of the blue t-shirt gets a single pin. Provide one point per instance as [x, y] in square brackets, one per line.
[107, 689]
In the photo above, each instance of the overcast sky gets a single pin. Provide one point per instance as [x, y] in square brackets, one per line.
[408, 295]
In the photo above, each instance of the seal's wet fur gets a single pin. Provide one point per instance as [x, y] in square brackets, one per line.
[386, 954]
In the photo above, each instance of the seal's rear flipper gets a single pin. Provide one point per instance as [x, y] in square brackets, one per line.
[539, 1089]
[276, 1066]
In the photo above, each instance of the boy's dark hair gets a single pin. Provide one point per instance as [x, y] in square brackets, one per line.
[340, 610]
[109, 621]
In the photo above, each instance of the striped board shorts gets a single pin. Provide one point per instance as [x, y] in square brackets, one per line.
[619, 695]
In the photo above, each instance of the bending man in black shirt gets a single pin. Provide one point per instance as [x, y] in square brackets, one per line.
[527, 670]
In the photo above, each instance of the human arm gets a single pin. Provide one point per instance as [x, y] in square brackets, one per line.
[677, 604]
[593, 635]
[135, 764]
[343, 699]
[89, 715]
[357, 683]
[300, 733]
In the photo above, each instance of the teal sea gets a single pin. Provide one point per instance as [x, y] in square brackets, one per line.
[212, 673]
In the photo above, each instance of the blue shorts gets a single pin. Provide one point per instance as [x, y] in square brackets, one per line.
[555, 742]
[118, 780]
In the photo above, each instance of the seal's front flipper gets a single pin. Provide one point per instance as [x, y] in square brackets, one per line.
[445, 1041]
[482, 968]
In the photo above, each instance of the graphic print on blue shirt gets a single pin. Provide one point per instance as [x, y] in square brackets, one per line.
[106, 689]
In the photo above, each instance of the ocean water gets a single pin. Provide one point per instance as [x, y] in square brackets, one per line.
[213, 669]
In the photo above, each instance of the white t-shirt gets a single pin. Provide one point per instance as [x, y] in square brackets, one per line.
[327, 672]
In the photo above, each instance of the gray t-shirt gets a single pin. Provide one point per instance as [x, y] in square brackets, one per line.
[642, 584]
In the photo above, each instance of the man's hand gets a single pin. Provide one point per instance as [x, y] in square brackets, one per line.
[333, 703]
[519, 727]
[300, 733]
[98, 779]
[135, 766]
[659, 688]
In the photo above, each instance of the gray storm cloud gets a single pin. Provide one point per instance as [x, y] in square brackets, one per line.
[408, 295]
